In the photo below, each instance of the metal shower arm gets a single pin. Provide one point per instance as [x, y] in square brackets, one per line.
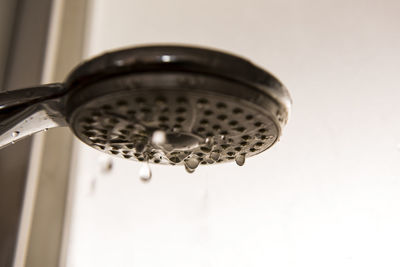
[30, 95]
[27, 111]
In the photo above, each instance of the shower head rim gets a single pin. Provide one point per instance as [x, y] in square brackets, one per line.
[178, 58]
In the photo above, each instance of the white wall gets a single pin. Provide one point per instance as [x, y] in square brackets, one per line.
[327, 195]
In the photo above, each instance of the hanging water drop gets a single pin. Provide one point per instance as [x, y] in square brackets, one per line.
[240, 159]
[157, 156]
[192, 163]
[215, 155]
[189, 170]
[209, 160]
[145, 173]
[106, 164]
[139, 147]
[209, 141]
[15, 134]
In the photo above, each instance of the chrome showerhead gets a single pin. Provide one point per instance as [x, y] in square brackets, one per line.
[162, 104]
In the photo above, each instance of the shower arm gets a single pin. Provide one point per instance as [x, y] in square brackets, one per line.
[26, 111]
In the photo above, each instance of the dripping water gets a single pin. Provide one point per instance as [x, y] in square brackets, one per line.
[189, 170]
[145, 173]
[209, 160]
[139, 147]
[192, 163]
[215, 155]
[209, 141]
[240, 159]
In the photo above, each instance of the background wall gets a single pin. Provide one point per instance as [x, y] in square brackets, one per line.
[326, 195]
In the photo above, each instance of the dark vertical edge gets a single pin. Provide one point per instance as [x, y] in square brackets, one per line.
[23, 67]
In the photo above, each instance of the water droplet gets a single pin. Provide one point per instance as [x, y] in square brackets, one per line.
[15, 134]
[209, 141]
[159, 138]
[240, 159]
[139, 147]
[145, 173]
[45, 129]
[192, 163]
[106, 164]
[222, 137]
[215, 155]
[209, 160]
[93, 185]
[189, 170]
[158, 156]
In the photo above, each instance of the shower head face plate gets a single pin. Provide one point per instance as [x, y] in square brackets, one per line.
[162, 104]
[206, 119]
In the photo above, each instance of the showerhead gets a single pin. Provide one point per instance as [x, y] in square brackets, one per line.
[163, 104]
